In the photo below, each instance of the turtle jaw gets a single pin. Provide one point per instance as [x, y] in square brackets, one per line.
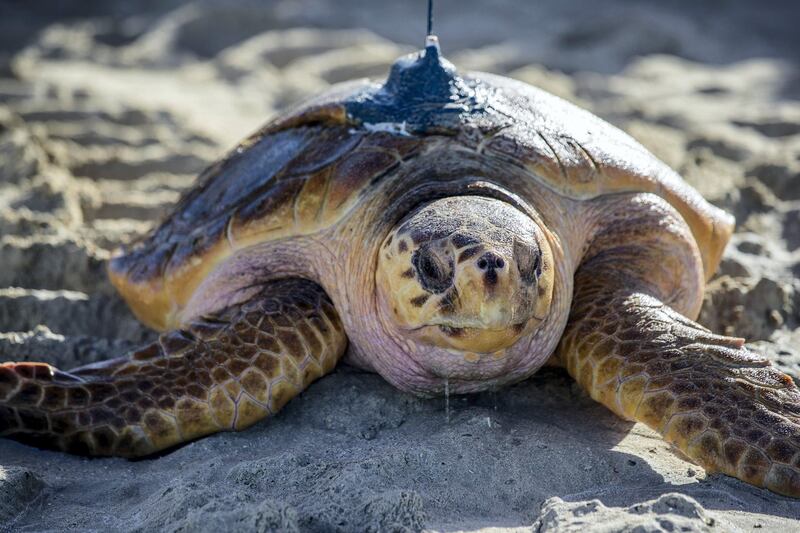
[427, 362]
[473, 343]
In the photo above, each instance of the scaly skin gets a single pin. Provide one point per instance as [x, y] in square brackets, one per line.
[218, 373]
[717, 402]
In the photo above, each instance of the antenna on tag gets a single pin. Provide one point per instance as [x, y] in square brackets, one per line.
[430, 18]
[430, 38]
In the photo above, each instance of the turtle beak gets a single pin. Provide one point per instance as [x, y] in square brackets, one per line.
[486, 287]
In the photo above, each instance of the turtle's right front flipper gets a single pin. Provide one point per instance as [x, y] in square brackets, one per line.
[223, 372]
[720, 404]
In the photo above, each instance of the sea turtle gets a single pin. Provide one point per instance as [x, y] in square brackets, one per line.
[450, 232]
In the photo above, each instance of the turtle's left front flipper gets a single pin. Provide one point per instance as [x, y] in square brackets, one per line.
[721, 405]
[219, 373]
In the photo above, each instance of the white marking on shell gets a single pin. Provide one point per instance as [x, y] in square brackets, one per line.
[388, 127]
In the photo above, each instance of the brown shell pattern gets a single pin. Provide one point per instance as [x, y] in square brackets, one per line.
[307, 169]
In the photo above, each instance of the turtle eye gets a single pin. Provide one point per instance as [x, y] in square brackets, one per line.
[434, 275]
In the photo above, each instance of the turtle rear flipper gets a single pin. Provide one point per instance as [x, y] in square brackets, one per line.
[219, 373]
[718, 403]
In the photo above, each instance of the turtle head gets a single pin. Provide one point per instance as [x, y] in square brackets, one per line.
[467, 273]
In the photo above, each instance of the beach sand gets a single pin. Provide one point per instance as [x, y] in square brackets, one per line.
[109, 109]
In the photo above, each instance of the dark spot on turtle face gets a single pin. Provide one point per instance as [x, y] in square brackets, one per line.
[529, 261]
[460, 241]
[517, 328]
[420, 235]
[402, 246]
[419, 301]
[408, 274]
[434, 274]
[451, 331]
[447, 305]
[469, 253]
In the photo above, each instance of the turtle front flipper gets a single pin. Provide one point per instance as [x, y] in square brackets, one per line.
[218, 373]
[721, 405]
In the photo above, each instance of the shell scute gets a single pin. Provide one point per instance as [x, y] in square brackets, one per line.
[279, 183]
[329, 146]
[356, 172]
[580, 156]
[310, 201]
[271, 210]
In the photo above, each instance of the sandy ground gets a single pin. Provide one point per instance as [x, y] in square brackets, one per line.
[107, 111]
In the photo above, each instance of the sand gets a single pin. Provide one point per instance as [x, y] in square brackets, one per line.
[108, 110]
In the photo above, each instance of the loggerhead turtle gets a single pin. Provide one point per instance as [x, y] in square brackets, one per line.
[454, 232]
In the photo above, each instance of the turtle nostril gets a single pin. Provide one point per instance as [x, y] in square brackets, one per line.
[490, 261]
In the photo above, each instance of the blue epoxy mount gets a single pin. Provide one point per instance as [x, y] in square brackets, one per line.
[423, 93]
